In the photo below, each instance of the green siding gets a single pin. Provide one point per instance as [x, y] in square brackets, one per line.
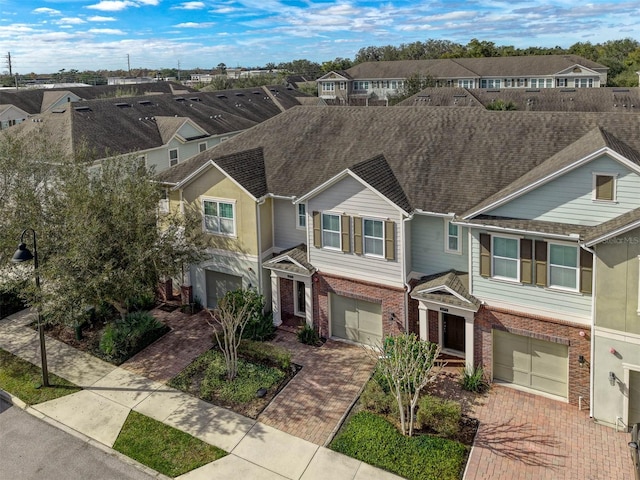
[427, 247]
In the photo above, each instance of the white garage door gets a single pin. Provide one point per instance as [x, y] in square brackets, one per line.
[356, 320]
[218, 284]
[530, 363]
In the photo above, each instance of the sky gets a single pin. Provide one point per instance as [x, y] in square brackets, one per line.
[46, 36]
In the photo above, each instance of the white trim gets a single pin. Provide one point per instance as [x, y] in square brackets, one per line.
[205, 167]
[516, 259]
[322, 229]
[537, 310]
[364, 236]
[177, 150]
[626, 337]
[516, 231]
[577, 268]
[296, 304]
[614, 177]
[200, 144]
[452, 308]
[298, 215]
[442, 287]
[340, 176]
[558, 173]
[218, 201]
[614, 233]
[447, 236]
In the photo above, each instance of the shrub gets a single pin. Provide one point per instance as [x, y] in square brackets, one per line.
[260, 327]
[10, 301]
[265, 352]
[141, 303]
[308, 336]
[376, 400]
[474, 380]
[440, 415]
[123, 338]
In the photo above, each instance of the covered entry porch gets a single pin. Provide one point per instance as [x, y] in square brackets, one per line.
[291, 286]
[446, 314]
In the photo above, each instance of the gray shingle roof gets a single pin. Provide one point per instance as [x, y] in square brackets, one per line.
[298, 254]
[377, 173]
[603, 99]
[471, 67]
[589, 143]
[607, 228]
[446, 160]
[551, 228]
[441, 285]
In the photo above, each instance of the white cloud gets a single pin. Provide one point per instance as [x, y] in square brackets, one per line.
[47, 11]
[112, 5]
[190, 6]
[194, 25]
[70, 21]
[98, 18]
[106, 31]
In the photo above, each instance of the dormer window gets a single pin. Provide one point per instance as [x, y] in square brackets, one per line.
[604, 187]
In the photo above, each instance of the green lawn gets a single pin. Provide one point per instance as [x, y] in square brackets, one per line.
[163, 448]
[372, 439]
[20, 378]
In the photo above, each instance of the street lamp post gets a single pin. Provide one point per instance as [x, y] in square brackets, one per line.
[23, 254]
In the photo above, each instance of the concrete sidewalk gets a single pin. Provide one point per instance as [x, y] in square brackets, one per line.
[256, 450]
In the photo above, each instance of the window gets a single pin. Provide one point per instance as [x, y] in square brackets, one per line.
[343, 85]
[163, 203]
[561, 82]
[465, 83]
[331, 231]
[452, 238]
[522, 82]
[583, 83]
[490, 83]
[219, 217]
[604, 187]
[302, 216]
[173, 157]
[359, 85]
[505, 258]
[394, 84]
[202, 147]
[373, 237]
[563, 266]
[328, 86]
[300, 307]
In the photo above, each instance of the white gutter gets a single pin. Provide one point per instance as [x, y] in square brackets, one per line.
[571, 236]
[258, 203]
[593, 327]
[433, 214]
[404, 273]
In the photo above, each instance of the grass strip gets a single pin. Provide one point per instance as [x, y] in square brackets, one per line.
[163, 448]
[21, 379]
[372, 439]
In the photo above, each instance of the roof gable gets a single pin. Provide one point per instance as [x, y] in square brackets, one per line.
[589, 147]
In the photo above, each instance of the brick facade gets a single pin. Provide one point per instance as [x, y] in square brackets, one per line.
[286, 296]
[433, 325]
[542, 328]
[391, 299]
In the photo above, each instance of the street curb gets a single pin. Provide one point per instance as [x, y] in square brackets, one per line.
[15, 401]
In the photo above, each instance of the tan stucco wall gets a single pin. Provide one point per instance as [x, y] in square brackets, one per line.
[214, 184]
[617, 283]
[266, 224]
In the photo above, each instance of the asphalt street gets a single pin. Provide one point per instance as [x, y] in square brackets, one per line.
[31, 449]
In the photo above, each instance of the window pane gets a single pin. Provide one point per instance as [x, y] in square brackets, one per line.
[505, 268]
[330, 239]
[211, 223]
[562, 277]
[373, 246]
[453, 229]
[210, 208]
[331, 222]
[564, 255]
[373, 228]
[505, 247]
[226, 210]
[453, 243]
[226, 225]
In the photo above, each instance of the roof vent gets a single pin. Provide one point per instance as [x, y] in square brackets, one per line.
[255, 92]
[221, 96]
[565, 90]
[239, 94]
[144, 102]
[195, 99]
[179, 99]
[533, 90]
[459, 96]
[82, 108]
[493, 91]
[620, 90]
[59, 110]
[122, 105]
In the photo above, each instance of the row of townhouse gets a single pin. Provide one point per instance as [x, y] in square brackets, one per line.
[382, 80]
[160, 130]
[510, 238]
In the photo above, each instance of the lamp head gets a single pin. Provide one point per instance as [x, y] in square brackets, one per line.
[23, 254]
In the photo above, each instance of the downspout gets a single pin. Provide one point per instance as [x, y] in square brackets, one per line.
[404, 273]
[260, 202]
[593, 326]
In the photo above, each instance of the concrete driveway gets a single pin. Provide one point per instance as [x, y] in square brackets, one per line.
[525, 436]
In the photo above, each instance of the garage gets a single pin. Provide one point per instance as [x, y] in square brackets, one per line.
[634, 397]
[218, 284]
[356, 320]
[530, 363]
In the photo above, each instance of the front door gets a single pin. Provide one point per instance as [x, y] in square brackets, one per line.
[453, 332]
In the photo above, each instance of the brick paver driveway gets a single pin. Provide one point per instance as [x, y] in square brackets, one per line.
[524, 436]
[313, 403]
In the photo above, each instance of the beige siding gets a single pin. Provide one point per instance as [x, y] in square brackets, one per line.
[617, 271]
[286, 233]
[266, 224]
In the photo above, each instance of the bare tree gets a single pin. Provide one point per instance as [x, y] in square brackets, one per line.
[408, 365]
[229, 321]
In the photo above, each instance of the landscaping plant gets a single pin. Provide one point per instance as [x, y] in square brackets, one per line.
[474, 380]
[407, 365]
[308, 336]
[440, 415]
